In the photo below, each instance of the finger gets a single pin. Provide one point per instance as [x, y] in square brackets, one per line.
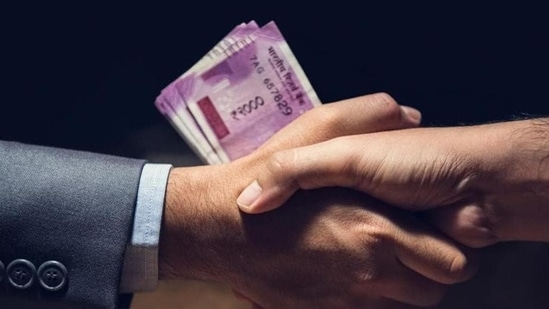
[364, 114]
[465, 222]
[410, 287]
[435, 257]
[330, 163]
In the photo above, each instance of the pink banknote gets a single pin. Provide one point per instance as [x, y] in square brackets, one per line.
[239, 95]
[175, 109]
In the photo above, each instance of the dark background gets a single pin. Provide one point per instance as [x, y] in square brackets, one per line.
[85, 76]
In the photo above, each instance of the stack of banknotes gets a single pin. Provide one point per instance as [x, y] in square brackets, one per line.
[245, 89]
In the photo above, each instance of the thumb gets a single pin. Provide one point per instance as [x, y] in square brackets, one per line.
[325, 164]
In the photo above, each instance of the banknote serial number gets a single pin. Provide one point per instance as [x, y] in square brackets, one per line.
[278, 97]
[247, 108]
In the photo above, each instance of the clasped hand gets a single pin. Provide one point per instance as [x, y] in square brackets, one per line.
[478, 184]
[326, 248]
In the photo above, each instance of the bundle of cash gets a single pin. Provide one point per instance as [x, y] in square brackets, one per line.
[239, 94]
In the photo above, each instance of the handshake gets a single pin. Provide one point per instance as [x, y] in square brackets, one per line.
[371, 211]
[359, 208]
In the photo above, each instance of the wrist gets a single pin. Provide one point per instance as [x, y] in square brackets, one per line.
[516, 193]
[181, 254]
[201, 227]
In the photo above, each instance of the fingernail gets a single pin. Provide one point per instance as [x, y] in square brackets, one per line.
[249, 195]
[412, 113]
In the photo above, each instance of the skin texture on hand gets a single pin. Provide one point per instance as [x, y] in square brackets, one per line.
[332, 248]
[486, 183]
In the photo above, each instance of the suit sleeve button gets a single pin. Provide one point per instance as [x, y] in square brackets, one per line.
[21, 273]
[52, 276]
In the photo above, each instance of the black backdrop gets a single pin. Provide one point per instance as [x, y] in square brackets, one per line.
[85, 76]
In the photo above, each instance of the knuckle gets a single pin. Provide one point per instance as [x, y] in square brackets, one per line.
[327, 115]
[352, 166]
[386, 106]
[383, 98]
[368, 277]
[378, 233]
[279, 162]
[377, 240]
[371, 250]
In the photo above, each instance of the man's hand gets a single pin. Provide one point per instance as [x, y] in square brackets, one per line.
[327, 249]
[489, 183]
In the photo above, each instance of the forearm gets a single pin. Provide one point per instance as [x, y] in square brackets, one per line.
[519, 166]
[533, 144]
[504, 193]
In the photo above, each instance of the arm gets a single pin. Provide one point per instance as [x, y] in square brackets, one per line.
[346, 251]
[75, 208]
[201, 230]
[493, 180]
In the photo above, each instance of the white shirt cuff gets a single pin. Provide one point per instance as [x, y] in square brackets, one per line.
[140, 268]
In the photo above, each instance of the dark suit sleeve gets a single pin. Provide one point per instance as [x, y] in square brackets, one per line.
[75, 208]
